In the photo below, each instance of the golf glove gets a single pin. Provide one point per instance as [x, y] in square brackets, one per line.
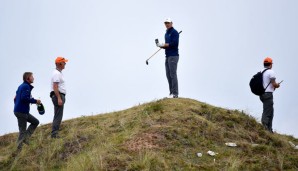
[160, 44]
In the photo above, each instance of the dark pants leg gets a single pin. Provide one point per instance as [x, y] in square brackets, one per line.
[171, 65]
[58, 114]
[25, 133]
[268, 110]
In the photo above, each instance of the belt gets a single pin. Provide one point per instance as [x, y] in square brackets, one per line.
[53, 94]
[269, 92]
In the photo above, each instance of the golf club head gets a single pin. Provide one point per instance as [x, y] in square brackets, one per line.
[147, 62]
[156, 41]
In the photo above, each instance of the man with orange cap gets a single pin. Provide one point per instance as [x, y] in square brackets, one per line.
[269, 85]
[58, 94]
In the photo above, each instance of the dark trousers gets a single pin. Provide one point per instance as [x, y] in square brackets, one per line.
[58, 114]
[267, 116]
[25, 133]
[171, 71]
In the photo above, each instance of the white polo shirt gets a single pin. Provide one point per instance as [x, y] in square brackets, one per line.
[267, 77]
[57, 77]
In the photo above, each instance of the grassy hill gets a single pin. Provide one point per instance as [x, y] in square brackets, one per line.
[162, 135]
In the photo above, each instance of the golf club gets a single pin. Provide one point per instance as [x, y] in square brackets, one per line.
[152, 55]
[156, 41]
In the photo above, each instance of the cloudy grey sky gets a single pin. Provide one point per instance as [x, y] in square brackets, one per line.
[222, 45]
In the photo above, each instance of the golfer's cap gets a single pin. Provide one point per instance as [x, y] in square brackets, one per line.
[40, 109]
[60, 59]
[168, 20]
[268, 60]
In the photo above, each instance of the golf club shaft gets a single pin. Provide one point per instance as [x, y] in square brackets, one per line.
[154, 53]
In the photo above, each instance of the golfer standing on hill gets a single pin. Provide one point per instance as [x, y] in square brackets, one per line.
[58, 94]
[172, 56]
[269, 85]
[22, 102]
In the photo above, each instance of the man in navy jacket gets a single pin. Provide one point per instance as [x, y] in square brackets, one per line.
[172, 56]
[22, 102]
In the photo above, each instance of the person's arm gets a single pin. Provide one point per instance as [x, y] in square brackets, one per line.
[56, 91]
[173, 42]
[275, 84]
[26, 96]
[272, 79]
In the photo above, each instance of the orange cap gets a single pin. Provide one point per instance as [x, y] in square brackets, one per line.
[60, 59]
[268, 60]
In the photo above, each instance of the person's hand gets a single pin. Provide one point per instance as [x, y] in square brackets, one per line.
[160, 45]
[60, 102]
[38, 101]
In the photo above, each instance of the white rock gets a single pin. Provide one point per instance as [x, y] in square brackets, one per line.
[199, 154]
[230, 144]
[292, 144]
[211, 153]
[254, 145]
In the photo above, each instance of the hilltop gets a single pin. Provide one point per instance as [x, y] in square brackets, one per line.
[165, 134]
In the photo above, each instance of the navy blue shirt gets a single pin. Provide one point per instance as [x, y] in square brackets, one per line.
[172, 38]
[23, 98]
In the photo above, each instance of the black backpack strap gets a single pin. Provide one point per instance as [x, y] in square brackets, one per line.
[267, 86]
[269, 82]
[265, 70]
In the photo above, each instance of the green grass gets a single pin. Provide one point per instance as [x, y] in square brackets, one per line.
[160, 135]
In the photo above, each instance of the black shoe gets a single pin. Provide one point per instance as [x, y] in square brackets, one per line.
[175, 96]
[268, 129]
[20, 146]
[26, 141]
[271, 131]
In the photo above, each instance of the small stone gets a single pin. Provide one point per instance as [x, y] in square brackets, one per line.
[199, 154]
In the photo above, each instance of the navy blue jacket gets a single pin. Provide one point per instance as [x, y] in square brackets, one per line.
[172, 38]
[23, 98]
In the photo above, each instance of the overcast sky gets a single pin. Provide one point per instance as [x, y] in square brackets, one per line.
[222, 45]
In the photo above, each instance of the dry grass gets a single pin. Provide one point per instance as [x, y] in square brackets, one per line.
[161, 135]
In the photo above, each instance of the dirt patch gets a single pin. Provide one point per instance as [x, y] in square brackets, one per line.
[144, 141]
[73, 147]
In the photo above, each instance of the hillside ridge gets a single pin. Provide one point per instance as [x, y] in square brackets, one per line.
[165, 134]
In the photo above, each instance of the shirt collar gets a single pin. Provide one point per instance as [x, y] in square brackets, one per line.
[58, 70]
[170, 29]
[31, 86]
